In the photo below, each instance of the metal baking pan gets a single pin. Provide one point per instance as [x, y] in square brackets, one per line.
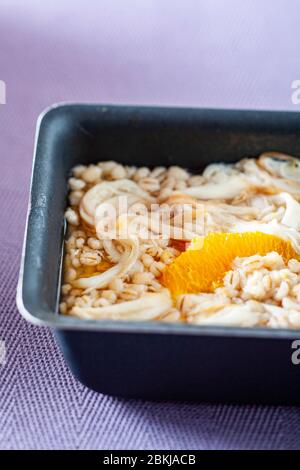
[151, 360]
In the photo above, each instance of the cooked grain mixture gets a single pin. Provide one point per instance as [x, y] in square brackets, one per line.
[221, 247]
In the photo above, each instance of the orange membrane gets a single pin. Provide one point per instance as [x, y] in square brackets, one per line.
[202, 266]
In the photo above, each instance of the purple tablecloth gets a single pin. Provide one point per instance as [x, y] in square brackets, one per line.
[217, 53]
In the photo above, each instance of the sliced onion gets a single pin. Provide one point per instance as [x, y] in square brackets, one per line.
[229, 189]
[98, 281]
[286, 185]
[85, 216]
[148, 307]
[105, 190]
[291, 216]
[234, 315]
[237, 210]
[282, 165]
[272, 228]
[126, 262]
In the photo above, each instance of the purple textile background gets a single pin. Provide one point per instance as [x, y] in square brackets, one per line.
[199, 53]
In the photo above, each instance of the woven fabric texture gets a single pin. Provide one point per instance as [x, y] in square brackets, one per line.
[216, 53]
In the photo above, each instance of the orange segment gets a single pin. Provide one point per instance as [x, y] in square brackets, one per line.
[204, 264]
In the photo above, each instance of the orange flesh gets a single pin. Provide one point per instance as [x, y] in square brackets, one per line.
[202, 267]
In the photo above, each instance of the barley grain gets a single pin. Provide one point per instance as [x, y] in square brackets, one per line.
[72, 217]
[70, 275]
[63, 308]
[76, 184]
[75, 197]
[91, 174]
[140, 174]
[78, 170]
[149, 184]
[116, 285]
[118, 172]
[94, 243]
[178, 173]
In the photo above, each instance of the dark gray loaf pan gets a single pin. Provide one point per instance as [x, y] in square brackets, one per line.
[151, 360]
